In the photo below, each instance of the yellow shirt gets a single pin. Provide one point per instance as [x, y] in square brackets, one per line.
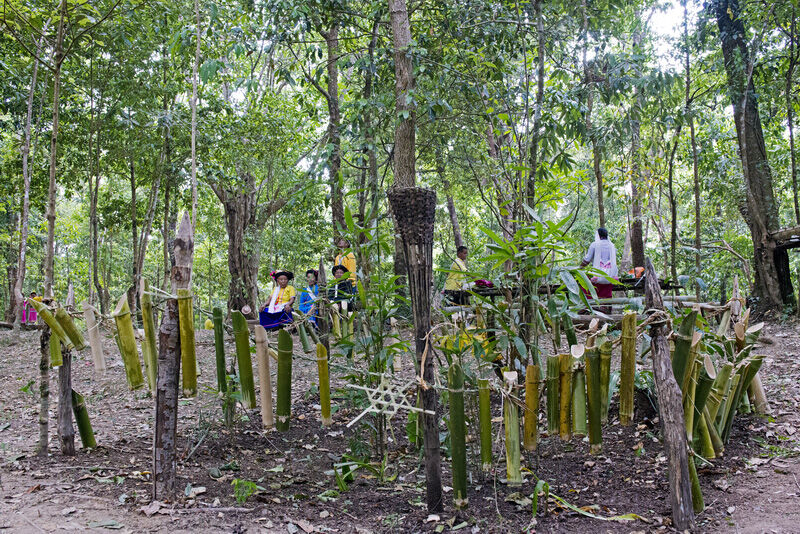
[286, 294]
[349, 262]
[456, 279]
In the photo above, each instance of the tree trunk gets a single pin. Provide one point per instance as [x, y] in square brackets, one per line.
[790, 111]
[132, 290]
[773, 284]
[66, 432]
[58, 59]
[414, 212]
[451, 207]
[695, 163]
[588, 80]
[169, 365]
[673, 207]
[637, 238]
[334, 139]
[530, 189]
[195, 67]
[670, 410]
[243, 254]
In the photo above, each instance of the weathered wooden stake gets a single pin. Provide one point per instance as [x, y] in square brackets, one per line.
[671, 410]
[169, 366]
[44, 392]
[95, 342]
[66, 432]
[264, 378]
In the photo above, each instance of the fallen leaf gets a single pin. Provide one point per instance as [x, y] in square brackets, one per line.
[106, 523]
[151, 508]
[432, 518]
[67, 511]
[307, 527]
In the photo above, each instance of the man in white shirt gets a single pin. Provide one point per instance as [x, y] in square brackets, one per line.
[603, 256]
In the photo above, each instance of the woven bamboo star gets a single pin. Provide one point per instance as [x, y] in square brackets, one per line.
[387, 398]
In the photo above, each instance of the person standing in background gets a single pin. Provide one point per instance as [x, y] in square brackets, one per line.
[602, 254]
[456, 283]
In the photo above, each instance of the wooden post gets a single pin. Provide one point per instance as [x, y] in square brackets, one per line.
[66, 432]
[264, 378]
[169, 366]
[414, 211]
[93, 331]
[44, 392]
[671, 410]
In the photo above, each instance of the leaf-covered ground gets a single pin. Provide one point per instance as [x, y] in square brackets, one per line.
[754, 488]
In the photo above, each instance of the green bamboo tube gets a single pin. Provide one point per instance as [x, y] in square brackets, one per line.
[747, 372]
[724, 323]
[565, 394]
[219, 350]
[579, 402]
[605, 378]
[556, 321]
[569, 330]
[694, 358]
[683, 343]
[336, 324]
[149, 350]
[188, 356]
[716, 441]
[324, 385]
[744, 405]
[264, 377]
[55, 327]
[719, 389]
[511, 424]
[627, 371]
[68, 325]
[82, 421]
[312, 333]
[758, 395]
[127, 344]
[241, 335]
[56, 358]
[530, 429]
[725, 407]
[705, 379]
[697, 493]
[702, 443]
[553, 397]
[485, 416]
[458, 444]
[593, 399]
[303, 335]
[688, 401]
[284, 404]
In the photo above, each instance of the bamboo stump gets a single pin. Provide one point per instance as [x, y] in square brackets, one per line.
[66, 432]
[671, 410]
[169, 366]
[414, 211]
[264, 378]
[93, 331]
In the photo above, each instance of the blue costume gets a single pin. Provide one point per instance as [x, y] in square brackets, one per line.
[308, 297]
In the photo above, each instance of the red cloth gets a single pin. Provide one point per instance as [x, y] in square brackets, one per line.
[603, 291]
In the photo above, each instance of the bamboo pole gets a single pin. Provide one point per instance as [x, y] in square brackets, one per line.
[719, 389]
[511, 424]
[284, 404]
[530, 432]
[48, 317]
[746, 372]
[693, 359]
[458, 446]
[82, 421]
[697, 494]
[703, 444]
[93, 331]
[683, 344]
[188, 356]
[593, 399]
[56, 359]
[68, 325]
[303, 335]
[705, 379]
[66, 432]
[553, 396]
[127, 344]
[324, 385]
[725, 407]
[569, 330]
[565, 393]
[219, 350]
[485, 416]
[688, 400]
[627, 369]
[605, 378]
[264, 378]
[241, 336]
[149, 350]
[716, 441]
[758, 395]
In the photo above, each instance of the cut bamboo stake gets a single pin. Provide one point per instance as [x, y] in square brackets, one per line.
[683, 344]
[605, 378]
[284, 404]
[66, 432]
[82, 421]
[511, 424]
[697, 494]
[758, 396]
[746, 372]
[719, 389]
[264, 378]
[127, 344]
[627, 369]
[324, 385]
[149, 350]
[56, 359]
[705, 379]
[93, 331]
[219, 350]
[703, 443]
[569, 330]
[593, 399]
[485, 416]
[688, 401]
[553, 397]
[188, 356]
[458, 446]
[565, 393]
[725, 407]
[716, 441]
[303, 335]
[68, 325]
[530, 433]
[48, 317]
[241, 335]
[693, 359]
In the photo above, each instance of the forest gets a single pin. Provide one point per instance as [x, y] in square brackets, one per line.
[435, 182]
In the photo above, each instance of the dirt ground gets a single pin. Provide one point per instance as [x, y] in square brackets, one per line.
[753, 489]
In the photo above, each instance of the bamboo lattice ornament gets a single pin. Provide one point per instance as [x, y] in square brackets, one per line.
[387, 398]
